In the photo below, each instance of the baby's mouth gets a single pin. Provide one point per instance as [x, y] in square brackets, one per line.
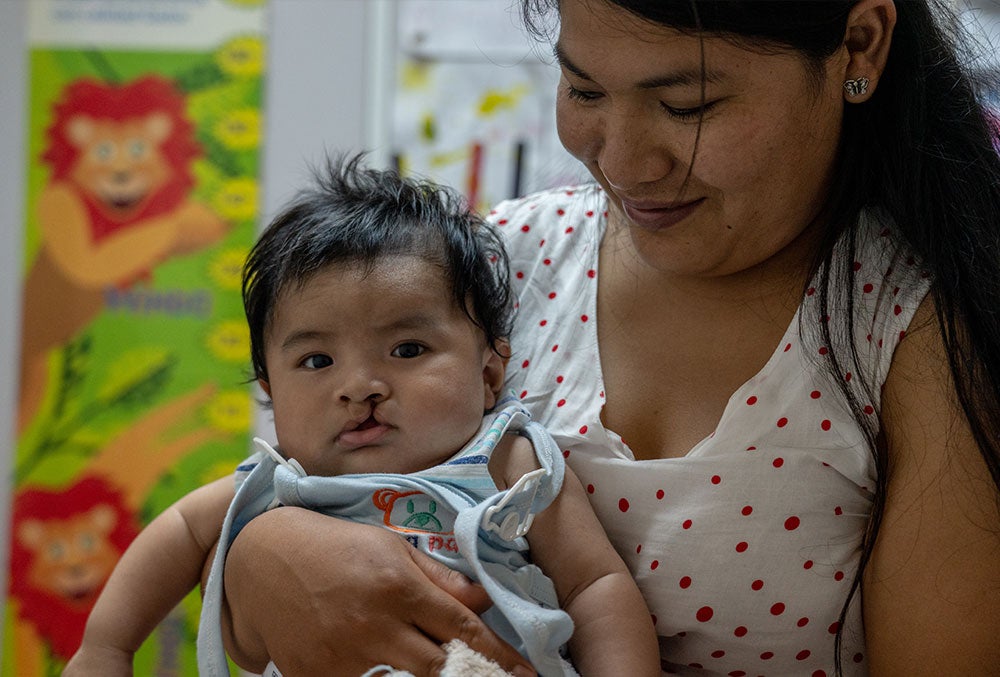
[368, 432]
[369, 422]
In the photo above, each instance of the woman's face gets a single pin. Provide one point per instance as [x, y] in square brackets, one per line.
[628, 108]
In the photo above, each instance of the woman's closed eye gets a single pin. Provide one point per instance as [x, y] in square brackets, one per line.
[318, 361]
[678, 112]
[581, 94]
[408, 350]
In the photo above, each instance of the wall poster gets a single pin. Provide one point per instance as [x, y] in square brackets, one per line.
[143, 154]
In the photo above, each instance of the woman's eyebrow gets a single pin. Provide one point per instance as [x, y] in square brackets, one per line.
[680, 78]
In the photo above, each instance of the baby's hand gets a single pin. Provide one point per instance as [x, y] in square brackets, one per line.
[90, 660]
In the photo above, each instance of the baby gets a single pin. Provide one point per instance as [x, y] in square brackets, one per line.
[378, 310]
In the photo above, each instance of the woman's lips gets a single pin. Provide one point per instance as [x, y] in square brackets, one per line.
[657, 217]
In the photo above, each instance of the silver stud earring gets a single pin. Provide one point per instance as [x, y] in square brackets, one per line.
[856, 87]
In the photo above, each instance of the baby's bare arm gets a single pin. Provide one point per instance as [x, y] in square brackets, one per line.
[613, 631]
[157, 571]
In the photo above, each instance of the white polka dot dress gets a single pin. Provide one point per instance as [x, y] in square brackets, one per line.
[746, 547]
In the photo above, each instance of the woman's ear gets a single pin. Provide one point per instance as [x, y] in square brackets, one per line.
[494, 368]
[867, 41]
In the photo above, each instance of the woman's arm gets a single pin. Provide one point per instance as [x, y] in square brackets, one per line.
[158, 569]
[322, 596]
[613, 632]
[932, 590]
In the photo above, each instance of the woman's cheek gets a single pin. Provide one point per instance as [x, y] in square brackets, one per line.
[577, 130]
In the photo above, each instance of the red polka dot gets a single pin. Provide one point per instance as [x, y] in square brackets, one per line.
[590, 488]
[808, 564]
[569, 230]
[757, 585]
[552, 295]
[686, 524]
[560, 403]
[524, 393]
[833, 627]
[751, 448]
[737, 673]
[559, 379]
[777, 608]
[782, 422]
[819, 673]
[803, 622]
[638, 548]
[555, 347]
[560, 212]
[685, 582]
[825, 425]
[752, 400]
[869, 409]
[788, 346]
[654, 565]
[746, 510]
[705, 614]
[501, 222]
[584, 318]
[767, 655]
[524, 365]
[802, 655]
[519, 275]
[623, 504]
[824, 350]
[868, 288]
[858, 657]
[565, 453]
[716, 479]
[839, 576]
[742, 546]
[583, 430]
[525, 228]
[838, 510]
[591, 273]
[792, 523]
[718, 654]
[542, 323]
[547, 262]
[778, 462]
[660, 494]
[740, 631]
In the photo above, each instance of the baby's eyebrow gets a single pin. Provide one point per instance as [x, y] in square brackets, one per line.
[302, 336]
[683, 77]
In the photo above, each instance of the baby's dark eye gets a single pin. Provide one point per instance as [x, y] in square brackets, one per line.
[408, 350]
[317, 361]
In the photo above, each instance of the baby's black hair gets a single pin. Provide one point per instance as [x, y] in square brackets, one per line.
[358, 215]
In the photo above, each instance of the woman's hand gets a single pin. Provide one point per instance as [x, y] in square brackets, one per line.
[322, 596]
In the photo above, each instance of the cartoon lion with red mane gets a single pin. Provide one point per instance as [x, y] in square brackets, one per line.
[116, 205]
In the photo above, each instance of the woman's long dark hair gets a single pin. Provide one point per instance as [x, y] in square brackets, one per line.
[923, 153]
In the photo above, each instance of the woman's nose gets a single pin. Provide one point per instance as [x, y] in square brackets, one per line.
[632, 153]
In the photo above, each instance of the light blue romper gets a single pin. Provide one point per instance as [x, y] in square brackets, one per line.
[453, 512]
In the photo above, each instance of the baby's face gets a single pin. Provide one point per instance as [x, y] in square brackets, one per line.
[376, 372]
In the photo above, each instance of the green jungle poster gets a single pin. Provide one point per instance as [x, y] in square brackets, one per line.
[145, 124]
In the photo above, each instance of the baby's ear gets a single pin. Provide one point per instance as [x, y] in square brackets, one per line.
[494, 368]
[265, 386]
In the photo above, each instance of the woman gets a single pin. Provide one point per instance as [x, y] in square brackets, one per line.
[790, 265]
